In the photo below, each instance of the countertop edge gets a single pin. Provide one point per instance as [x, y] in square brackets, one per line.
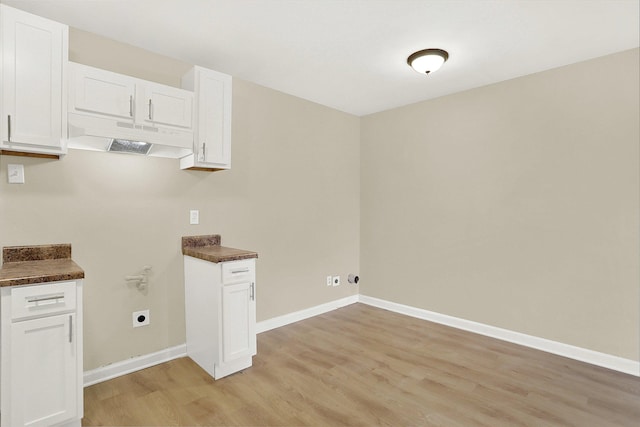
[235, 255]
[27, 272]
[33, 280]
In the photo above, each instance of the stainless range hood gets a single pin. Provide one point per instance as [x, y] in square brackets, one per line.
[90, 132]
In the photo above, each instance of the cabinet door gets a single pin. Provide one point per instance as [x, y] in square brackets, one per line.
[238, 321]
[43, 371]
[34, 52]
[214, 118]
[102, 92]
[166, 105]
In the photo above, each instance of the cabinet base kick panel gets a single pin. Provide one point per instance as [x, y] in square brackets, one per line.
[232, 367]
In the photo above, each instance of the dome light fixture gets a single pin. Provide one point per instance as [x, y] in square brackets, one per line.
[427, 61]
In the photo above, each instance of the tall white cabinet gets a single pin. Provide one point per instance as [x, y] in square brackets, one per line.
[220, 311]
[34, 53]
[41, 355]
[212, 131]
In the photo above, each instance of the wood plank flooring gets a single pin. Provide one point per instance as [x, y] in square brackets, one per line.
[363, 366]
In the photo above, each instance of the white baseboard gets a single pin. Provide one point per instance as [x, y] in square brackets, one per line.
[296, 316]
[616, 363]
[128, 366]
[578, 353]
[124, 367]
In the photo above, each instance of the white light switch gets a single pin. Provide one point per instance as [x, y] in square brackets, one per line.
[194, 217]
[15, 174]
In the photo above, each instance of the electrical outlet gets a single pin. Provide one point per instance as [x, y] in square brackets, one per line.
[194, 217]
[15, 174]
[336, 280]
[140, 318]
[329, 281]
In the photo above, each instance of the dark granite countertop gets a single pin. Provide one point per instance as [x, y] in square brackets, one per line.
[208, 248]
[27, 265]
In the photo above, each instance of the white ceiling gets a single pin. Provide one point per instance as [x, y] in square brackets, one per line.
[351, 54]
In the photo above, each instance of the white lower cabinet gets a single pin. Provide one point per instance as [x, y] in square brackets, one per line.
[238, 320]
[43, 377]
[41, 355]
[220, 311]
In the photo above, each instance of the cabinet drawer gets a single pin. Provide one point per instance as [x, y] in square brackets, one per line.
[42, 300]
[238, 271]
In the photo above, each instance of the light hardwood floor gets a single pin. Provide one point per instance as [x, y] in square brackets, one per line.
[363, 366]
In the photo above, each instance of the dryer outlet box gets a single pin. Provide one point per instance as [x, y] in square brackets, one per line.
[140, 318]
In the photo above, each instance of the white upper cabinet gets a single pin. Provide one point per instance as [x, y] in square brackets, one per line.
[34, 54]
[167, 105]
[105, 93]
[212, 132]
[102, 92]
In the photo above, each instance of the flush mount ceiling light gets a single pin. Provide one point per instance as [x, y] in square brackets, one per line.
[428, 60]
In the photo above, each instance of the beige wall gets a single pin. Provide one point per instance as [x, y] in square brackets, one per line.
[292, 195]
[514, 205]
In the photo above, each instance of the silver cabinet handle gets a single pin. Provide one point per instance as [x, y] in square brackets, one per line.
[45, 298]
[253, 291]
[131, 105]
[9, 128]
[70, 328]
[204, 151]
[150, 110]
[243, 270]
